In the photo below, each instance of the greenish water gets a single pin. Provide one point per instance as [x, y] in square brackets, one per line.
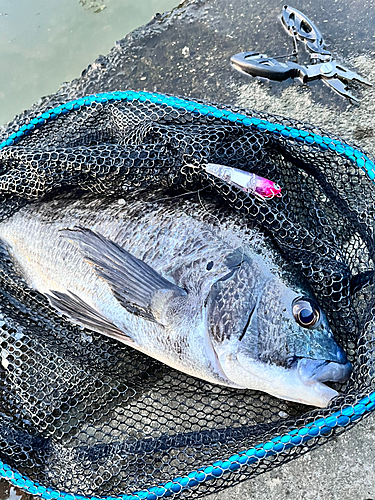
[46, 42]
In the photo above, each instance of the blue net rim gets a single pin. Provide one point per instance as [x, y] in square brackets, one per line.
[279, 444]
[324, 143]
[296, 437]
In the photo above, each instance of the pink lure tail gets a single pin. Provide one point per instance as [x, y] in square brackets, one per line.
[266, 188]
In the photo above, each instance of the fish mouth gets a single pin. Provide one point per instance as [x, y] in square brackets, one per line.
[312, 371]
[303, 382]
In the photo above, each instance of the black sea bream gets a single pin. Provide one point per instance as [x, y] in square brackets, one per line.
[209, 297]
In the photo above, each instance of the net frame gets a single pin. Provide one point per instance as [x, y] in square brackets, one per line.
[281, 444]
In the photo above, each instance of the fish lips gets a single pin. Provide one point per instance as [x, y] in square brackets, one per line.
[312, 371]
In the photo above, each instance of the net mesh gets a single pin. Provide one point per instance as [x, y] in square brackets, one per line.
[84, 414]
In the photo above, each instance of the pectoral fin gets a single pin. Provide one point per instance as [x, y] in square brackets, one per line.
[78, 311]
[138, 288]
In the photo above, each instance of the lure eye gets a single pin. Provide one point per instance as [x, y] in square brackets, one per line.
[306, 312]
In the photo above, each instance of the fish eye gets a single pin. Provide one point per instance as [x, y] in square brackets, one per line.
[306, 312]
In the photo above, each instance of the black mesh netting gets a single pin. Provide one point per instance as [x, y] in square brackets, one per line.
[99, 418]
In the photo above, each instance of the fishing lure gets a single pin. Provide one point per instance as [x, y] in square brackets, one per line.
[246, 181]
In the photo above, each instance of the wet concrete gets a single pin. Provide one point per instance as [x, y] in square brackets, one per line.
[187, 53]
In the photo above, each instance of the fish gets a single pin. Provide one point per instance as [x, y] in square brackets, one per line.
[185, 281]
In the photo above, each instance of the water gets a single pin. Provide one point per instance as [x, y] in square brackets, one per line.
[46, 42]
